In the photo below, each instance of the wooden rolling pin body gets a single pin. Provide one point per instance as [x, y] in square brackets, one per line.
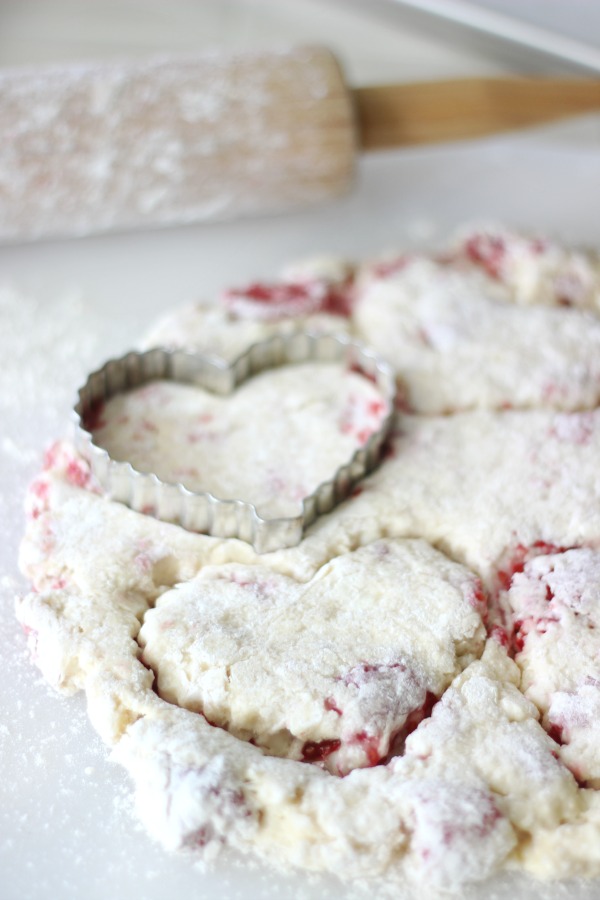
[99, 147]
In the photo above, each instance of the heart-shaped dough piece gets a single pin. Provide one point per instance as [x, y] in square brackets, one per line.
[270, 443]
[333, 671]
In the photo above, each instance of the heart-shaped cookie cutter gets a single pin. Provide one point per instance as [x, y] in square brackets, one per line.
[202, 511]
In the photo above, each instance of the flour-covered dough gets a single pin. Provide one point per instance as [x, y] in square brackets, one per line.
[412, 692]
[554, 614]
[346, 659]
[460, 342]
[234, 446]
[313, 294]
[533, 269]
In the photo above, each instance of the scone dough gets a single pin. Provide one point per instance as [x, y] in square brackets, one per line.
[554, 614]
[237, 688]
[534, 269]
[345, 660]
[234, 446]
[314, 294]
[460, 342]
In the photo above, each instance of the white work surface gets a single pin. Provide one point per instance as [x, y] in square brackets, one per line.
[66, 827]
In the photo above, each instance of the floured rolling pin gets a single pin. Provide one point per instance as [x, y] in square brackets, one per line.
[92, 148]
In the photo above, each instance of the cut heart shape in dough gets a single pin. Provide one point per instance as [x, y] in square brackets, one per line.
[337, 671]
[285, 445]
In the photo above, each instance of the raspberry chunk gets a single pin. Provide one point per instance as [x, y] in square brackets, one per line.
[282, 300]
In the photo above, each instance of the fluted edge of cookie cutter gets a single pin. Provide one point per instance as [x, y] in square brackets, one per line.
[201, 511]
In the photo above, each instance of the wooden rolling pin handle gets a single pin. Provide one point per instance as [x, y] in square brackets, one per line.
[427, 112]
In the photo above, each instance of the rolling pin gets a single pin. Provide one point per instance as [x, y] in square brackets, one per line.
[99, 147]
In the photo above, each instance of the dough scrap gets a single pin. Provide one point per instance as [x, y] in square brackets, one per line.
[554, 612]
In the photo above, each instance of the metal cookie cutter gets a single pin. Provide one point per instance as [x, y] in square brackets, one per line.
[201, 511]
